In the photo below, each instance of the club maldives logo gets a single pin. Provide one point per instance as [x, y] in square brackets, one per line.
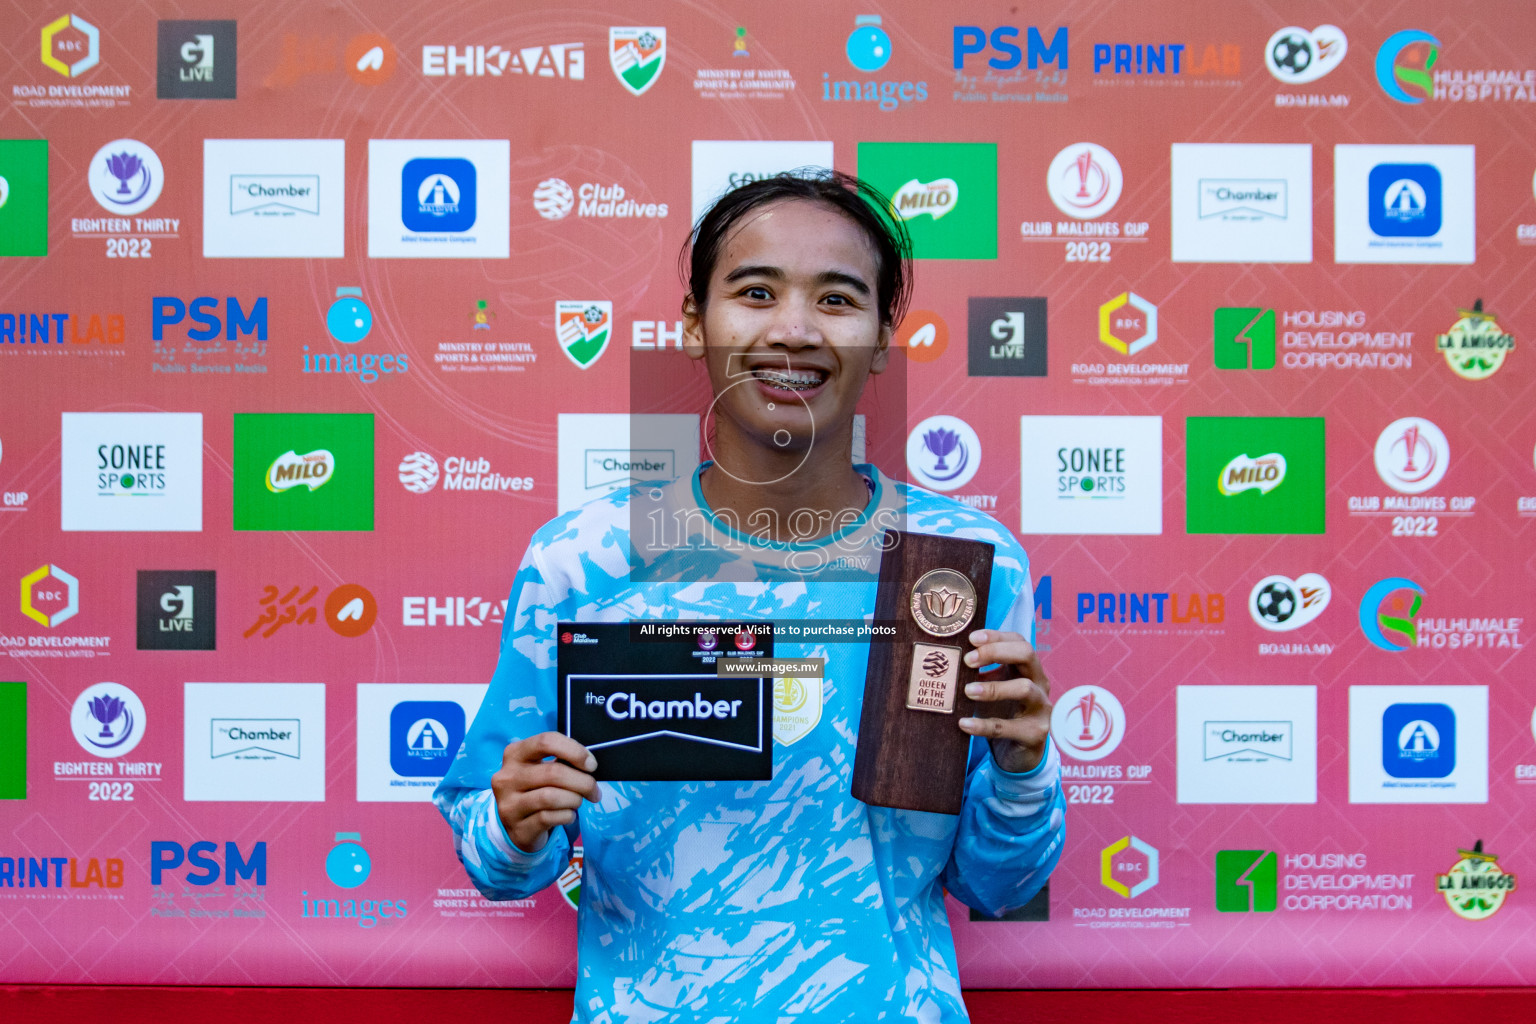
[1088, 723]
[1475, 346]
[290, 470]
[1296, 56]
[1405, 65]
[108, 720]
[1281, 604]
[943, 453]
[1412, 455]
[1385, 610]
[1084, 180]
[637, 56]
[1475, 886]
[583, 329]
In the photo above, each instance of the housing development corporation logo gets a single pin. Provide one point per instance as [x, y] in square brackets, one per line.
[1247, 881]
[13, 741]
[1244, 338]
[1475, 346]
[195, 60]
[637, 56]
[944, 192]
[1405, 65]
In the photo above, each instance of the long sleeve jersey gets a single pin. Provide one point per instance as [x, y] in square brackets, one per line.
[753, 901]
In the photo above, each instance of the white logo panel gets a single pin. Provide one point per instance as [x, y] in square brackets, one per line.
[377, 781]
[1387, 723]
[1241, 203]
[603, 452]
[131, 471]
[1247, 744]
[1091, 474]
[451, 214]
[246, 742]
[1415, 190]
[719, 167]
[274, 198]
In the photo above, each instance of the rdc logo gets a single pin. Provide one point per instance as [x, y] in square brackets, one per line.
[349, 319]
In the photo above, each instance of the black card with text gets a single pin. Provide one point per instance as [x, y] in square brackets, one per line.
[645, 699]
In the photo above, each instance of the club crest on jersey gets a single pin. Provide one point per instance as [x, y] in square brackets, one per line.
[796, 708]
[583, 329]
[637, 56]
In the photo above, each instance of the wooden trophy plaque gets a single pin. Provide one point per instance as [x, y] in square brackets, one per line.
[911, 753]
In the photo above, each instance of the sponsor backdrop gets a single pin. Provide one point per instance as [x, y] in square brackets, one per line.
[309, 317]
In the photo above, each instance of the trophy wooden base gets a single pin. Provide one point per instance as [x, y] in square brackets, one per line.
[911, 753]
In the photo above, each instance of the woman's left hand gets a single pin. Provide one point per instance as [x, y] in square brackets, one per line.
[1018, 742]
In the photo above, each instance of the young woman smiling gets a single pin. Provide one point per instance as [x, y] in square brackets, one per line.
[758, 901]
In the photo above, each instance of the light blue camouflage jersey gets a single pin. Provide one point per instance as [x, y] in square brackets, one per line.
[754, 901]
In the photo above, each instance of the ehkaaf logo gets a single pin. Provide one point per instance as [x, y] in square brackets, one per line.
[176, 610]
[555, 60]
[1007, 337]
[196, 60]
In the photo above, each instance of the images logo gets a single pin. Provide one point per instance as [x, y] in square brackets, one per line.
[23, 197]
[1247, 881]
[1475, 886]
[1378, 616]
[1084, 180]
[583, 329]
[637, 56]
[1007, 337]
[1230, 490]
[1296, 56]
[13, 741]
[1412, 455]
[37, 590]
[88, 52]
[1116, 867]
[953, 183]
[348, 864]
[943, 453]
[424, 735]
[1244, 338]
[1405, 61]
[868, 46]
[176, 610]
[1128, 323]
[1088, 723]
[1262, 474]
[1281, 604]
[126, 177]
[349, 319]
[1418, 741]
[1475, 346]
[108, 720]
[1405, 200]
[334, 475]
[196, 60]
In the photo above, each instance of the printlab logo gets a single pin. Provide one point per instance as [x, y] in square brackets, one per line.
[637, 56]
[1247, 881]
[1405, 65]
[1007, 337]
[176, 610]
[1281, 604]
[303, 471]
[1384, 610]
[1412, 455]
[1418, 741]
[49, 596]
[108, 720]
[944, 192]
[1084, 180]
[1475, 346]
[23, 197]
[1088, 723]
[126, 177]
[1244, 338]
[274, 198]
[583, 329]
[1128, 866]
[1241, 203]
[943, 453]
[1475, 887]
[71, 46]
[1128, 324]
[1296, 56]
[1255, 474]
[196, 60]
[424, 736]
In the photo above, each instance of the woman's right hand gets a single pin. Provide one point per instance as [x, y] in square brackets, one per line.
[534, 795]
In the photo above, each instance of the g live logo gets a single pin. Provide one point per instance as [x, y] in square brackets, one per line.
[1246, 881]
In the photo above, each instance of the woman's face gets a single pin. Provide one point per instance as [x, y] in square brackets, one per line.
[791, 330]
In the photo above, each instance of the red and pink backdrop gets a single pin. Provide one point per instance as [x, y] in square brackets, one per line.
[1292, 846]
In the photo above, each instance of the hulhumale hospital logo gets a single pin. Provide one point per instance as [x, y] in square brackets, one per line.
[1405, 65]
[1387, 617]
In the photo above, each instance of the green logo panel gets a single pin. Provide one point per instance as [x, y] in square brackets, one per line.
[23, 197]
[1234, 484]
[1245, 338]
[13, 741]
[945, 192]
[303, 471]
[1246, 881]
